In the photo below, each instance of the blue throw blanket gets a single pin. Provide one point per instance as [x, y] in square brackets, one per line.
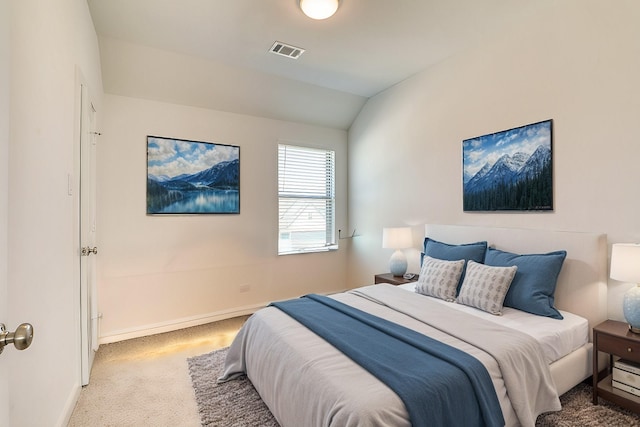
[439, 385]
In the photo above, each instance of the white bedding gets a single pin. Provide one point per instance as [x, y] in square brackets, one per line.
[276, 352]
[556, 337]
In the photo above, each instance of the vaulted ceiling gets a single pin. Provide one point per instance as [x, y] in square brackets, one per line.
[215, 53]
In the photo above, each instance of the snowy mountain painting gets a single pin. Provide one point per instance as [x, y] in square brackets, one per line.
[509, 170]
[190, 177]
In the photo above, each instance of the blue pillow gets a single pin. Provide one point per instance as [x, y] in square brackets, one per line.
[467, 251]
[534, 284]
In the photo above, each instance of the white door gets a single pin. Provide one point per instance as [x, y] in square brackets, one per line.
[88, 250]
[4, 200]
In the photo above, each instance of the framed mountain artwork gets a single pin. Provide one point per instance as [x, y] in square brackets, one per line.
[510, 170]
[192, 177]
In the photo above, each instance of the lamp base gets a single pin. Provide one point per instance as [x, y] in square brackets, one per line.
[631, 308]
[398, 263]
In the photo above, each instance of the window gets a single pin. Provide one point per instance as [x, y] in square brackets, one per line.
[306, 199]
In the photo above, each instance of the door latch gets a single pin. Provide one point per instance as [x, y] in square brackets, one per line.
[21, 338]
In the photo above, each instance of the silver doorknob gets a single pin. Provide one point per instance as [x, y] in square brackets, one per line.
[21, 338]
[86, 251]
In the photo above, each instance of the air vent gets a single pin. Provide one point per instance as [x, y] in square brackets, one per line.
[287, 50]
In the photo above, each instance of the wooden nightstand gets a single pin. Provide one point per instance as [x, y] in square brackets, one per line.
[615, 339]
[394, 280]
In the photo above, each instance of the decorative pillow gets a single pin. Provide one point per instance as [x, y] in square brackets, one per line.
[535, 282]
[468, 251]
[485, 287]
[439, 278]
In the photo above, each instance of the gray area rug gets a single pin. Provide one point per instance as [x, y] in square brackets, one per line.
[237, 404]
[577, 410]
[232, 404]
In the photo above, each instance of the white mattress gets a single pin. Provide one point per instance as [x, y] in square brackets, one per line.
[557, 337]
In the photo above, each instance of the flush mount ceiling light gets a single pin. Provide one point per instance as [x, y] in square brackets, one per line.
[319, 9]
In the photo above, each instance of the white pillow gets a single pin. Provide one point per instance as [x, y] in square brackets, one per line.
[485, 286]
[439, 278]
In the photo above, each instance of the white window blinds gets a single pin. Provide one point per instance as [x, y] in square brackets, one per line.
[306, 198]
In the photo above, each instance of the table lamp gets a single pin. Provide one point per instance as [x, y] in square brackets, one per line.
[625, 267]
[397, 238]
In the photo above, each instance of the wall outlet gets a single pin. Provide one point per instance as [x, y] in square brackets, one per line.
[244, 288]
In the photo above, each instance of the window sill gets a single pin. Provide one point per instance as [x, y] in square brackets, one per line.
[331, 248]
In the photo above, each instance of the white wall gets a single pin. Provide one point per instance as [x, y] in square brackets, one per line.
[159, 273]
[49, 40]
[576, 62]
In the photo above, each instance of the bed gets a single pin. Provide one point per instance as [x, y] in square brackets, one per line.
[304, 380]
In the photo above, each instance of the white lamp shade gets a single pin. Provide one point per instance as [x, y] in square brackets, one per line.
[319, 9]
[396, 238]
[625, 262]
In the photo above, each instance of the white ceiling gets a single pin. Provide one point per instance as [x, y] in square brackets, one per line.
[366, 47]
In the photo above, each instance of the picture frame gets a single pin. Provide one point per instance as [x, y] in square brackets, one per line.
[192, 177]
[510, 170]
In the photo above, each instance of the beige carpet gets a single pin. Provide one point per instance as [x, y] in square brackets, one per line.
[145, 381]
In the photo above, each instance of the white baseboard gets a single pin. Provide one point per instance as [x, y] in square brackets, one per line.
[177, 324]
[69, 406]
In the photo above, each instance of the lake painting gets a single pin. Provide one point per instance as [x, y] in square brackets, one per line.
[509, 170]
[192, 177]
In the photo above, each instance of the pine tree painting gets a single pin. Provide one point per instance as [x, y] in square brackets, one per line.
[509, 170]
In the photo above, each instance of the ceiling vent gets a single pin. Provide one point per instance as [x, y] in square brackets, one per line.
[287, 50]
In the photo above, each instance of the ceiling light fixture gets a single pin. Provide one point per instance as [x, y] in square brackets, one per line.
[319, 9]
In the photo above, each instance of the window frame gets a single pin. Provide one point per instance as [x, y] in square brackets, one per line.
[291, 197]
